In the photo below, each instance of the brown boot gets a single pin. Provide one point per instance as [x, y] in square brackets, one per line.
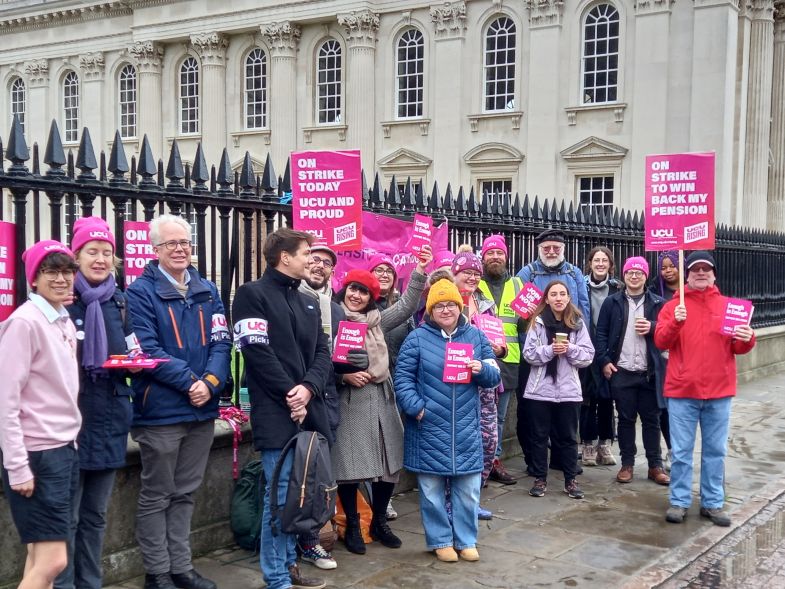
[625, 474]
[500, 474]
[659, 476]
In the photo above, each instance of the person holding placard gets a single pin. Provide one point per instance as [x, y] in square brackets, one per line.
[102, 330]
[441, 366]
[557, 345]
[369, 439]
[39, 412]
[700, 384]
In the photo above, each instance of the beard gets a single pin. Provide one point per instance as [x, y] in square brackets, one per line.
[494, 270]
[316, 282]
[552, 263]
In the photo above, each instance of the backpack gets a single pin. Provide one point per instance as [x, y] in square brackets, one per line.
[248, 506]
[310, 497]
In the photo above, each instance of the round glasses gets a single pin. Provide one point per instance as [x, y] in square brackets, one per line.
[51, 275]
[442, 307]
[172, 245]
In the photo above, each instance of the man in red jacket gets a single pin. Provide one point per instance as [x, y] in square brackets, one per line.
[699, 385]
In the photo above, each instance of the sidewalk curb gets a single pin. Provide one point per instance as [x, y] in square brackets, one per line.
[676, 561]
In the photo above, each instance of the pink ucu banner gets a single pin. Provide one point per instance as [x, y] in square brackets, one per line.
[386, 235]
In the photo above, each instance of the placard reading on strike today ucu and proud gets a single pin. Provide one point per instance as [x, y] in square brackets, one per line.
[327, 197]
[679, 201]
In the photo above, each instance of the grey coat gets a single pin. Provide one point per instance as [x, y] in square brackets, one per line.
[369, 440]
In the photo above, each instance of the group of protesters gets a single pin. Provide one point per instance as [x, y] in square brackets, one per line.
[598, 350]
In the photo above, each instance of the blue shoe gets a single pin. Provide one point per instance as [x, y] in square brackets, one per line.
[484, 514]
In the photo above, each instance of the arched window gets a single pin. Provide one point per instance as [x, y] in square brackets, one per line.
[600, 55]
[328, 82]
[71, 107]
[127, 93]
[410, 59]
[189, 96]
[19, 100]
[500, 65]
[256, 90]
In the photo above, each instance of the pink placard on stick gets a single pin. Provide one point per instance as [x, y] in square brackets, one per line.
[117, 362]
[679, 201]
[737, 312]
[422, 231]
[138, 250]
[7, 269]
[492, 327]
[527, 300]
[456, 359]
[327, 197]
[350, 336]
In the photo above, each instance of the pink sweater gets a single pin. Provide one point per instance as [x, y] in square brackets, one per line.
[38, 407]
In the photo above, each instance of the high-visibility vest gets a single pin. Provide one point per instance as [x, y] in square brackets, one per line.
[509, 318]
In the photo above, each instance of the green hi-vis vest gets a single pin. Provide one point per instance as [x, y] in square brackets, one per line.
[509, 317]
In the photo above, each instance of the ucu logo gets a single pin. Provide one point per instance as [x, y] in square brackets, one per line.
[102, 234]
[53, 247]
[661, 232]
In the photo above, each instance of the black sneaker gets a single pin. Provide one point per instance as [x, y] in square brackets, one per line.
[573, 490]
[717, 515]
[192, 580]
[539, 488]
[159, 581]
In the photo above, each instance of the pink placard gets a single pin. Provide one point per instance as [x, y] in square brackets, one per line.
[737, 312]
[422, 231]
[492, 327]
[138, 249]
[117, 362]
[7, 269]
[327, 197]
[456, 359]
[389, 236]
[527, 300]
[679, 201]
[350, 336]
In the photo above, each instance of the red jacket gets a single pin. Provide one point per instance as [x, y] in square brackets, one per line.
[702, 362]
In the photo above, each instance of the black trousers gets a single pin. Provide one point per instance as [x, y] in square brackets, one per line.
[597, 420]
[635, 395]
[559, 421]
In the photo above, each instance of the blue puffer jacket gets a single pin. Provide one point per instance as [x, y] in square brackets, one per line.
[105, 403]
[191, 333]
[447, 440]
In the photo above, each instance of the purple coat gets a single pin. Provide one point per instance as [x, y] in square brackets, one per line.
[537, 351]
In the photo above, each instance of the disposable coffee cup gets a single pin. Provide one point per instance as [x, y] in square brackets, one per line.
[561, 337]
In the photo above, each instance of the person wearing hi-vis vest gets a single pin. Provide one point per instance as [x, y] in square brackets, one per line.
[498, 286]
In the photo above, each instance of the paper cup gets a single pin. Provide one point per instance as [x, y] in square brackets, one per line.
[562, 337]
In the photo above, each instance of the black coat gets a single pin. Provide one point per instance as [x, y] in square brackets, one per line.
[279, 331]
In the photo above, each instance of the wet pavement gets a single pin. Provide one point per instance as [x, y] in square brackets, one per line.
[615, 537]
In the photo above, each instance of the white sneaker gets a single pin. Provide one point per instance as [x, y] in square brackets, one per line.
[319, 557]
[589, 455]
[667, 462]
[391, 513]
[604, 454]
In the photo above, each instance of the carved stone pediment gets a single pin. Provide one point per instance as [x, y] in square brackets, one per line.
[594, 148]
[493, 153]
[404, 158]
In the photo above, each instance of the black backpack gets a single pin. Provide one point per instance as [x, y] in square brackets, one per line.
[310, 497]
[248, 506]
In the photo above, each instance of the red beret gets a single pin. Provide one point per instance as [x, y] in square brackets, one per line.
[366, 279]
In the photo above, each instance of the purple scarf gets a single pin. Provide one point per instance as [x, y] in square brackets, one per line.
[95, 349]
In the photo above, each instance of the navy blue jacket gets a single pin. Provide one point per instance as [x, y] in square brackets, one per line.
[191, 333]
[105, 403]
[447, 440]
[593, 382]
[611, 328]
[279, 331]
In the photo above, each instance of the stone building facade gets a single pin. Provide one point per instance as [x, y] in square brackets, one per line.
[547, 97]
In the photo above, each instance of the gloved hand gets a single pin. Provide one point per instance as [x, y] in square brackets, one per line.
[358, 358]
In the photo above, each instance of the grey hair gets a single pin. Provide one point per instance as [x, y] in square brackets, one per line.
[155, 226]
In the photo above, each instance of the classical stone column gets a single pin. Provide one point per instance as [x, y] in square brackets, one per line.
[37, 127]
[649, 89]
[756, 152]
[361, 29]
[149, 57]
[449, 23]
[713, 92]
[776, 209]
[545, 112]
[91, 104]
[211, 48]
[283, 38]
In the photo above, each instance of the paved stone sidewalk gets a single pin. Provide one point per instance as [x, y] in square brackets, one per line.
[616, 537]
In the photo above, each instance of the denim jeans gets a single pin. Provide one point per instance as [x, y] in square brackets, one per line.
[277, 552]
[501, 416]
[84, 570]
[713, 415]
[465, 495]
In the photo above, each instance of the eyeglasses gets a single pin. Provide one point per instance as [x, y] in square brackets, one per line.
[379, 271]
[701, 268]
[172, 245]
[635, 274]
[323, 261]
[442, 307]
[51, 275]
[551, 248]
[471, 275]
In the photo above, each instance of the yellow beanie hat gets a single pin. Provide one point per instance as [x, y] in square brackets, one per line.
[441, 292]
